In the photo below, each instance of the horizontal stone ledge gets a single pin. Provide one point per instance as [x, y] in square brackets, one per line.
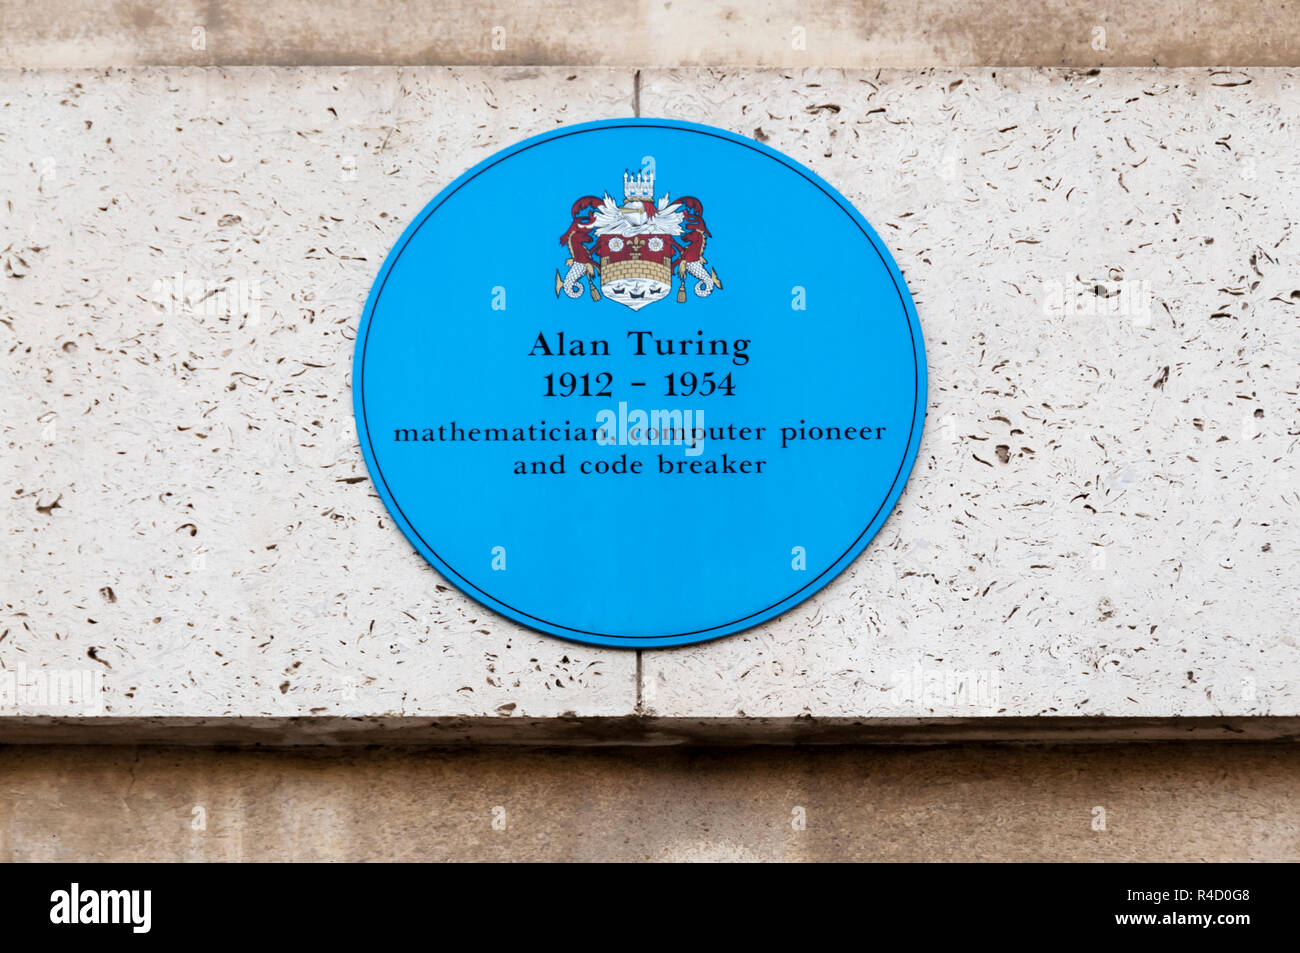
[634, 731]
[780, 33]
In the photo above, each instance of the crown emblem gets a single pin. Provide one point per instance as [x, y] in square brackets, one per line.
[639, 187]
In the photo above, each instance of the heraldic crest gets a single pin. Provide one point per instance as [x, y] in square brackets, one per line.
[632, 250]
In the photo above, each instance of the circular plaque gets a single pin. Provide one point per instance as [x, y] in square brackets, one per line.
[639, 383]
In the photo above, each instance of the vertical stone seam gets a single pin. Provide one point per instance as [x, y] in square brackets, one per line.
[640, 670]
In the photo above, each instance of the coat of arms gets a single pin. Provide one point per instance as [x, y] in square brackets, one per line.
[631, 251]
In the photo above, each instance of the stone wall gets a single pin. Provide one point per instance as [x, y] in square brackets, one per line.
[1100, 523]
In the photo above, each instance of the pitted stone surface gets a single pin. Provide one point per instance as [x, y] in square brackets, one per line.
[186, 508]
[1101, 520]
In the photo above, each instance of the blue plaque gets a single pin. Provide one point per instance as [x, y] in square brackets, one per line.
[639, 383]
